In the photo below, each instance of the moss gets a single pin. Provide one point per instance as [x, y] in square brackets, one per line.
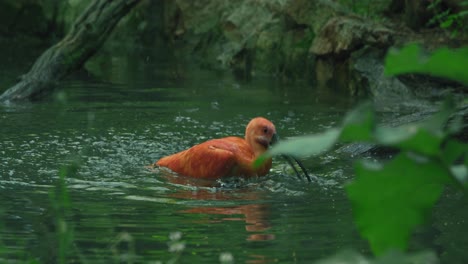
[268, 50]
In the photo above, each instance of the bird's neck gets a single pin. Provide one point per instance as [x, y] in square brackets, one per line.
[257, 148]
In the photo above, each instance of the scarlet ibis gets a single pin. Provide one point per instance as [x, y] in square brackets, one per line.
[229, 156]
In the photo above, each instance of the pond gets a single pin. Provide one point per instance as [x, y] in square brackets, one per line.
[102, 130]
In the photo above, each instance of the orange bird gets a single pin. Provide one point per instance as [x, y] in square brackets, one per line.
[229, 156]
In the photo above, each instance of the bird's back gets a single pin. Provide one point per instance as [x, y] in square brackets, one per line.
[213, 159]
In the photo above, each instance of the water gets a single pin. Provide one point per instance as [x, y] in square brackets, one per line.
[136, 111]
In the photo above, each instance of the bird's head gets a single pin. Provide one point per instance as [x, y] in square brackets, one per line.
[260, 134]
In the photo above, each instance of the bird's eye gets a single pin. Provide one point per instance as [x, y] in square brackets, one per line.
[265, 130]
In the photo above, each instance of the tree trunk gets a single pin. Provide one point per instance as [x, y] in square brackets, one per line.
[84, 39]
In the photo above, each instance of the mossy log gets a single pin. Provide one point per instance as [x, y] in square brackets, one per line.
[84, 39]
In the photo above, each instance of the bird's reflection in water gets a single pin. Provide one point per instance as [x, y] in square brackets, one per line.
[254, 215]
[242, 205]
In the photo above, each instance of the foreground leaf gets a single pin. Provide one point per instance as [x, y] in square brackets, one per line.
[410, 137]
[454, 150]
[443, 62]
[302, 146]
[389, 201]
[460, 173]
[359, 124]
[424, 137]
[354, 257]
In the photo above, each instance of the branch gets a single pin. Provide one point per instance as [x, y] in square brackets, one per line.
[85, 38]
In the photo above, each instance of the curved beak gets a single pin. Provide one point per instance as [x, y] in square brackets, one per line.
[290, 159]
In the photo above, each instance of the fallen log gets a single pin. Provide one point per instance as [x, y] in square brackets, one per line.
[87, 34]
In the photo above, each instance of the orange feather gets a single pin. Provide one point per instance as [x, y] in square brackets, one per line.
[229, 156]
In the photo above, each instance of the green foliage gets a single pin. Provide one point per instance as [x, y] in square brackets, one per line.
[446, 19]
[424, 138]
[444, 62]
[390, 199]
[366, 8]
[358, 124]
[353, 257]
[303, 146]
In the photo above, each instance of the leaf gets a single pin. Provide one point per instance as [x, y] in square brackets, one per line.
[359, 124]
[460, 172]
[424, 137]
[443, 62]
[437, 121]
[411, 138]
[260, 160]
[306, 145]
[354, 257]
[389, 201]
[301, 146]
[447, 23]
[453, 150]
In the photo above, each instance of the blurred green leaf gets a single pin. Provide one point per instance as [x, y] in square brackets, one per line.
[460, 172]
[301, 146]
[443, 62]
[409, 137]
[305, 145]
[425, 137]
[260, 160]
[455, 125]
[453, 150]
[390, 200]
[354, 257]
[344, 257]
[359, 124]
[447, 23]
[437, 121]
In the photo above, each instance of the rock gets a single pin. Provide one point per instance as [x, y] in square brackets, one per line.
[314, 14]
[252, 36]
[367, 67]
[347, 34]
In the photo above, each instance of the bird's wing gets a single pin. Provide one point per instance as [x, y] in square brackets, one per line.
[211, 160]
